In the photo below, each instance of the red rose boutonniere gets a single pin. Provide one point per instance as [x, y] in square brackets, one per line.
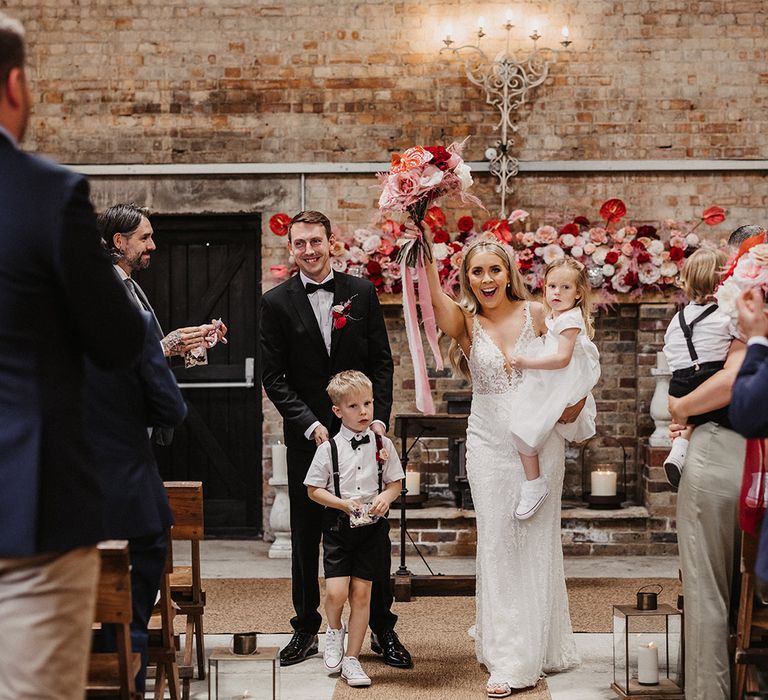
[340, 314]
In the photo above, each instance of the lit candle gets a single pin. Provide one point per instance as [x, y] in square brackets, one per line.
[448, 32]
[279, 462]
[648, 664]
[509, 16]
[661, 362]
[413, 482]
[480, 24]
[603, 483]
[565, 32]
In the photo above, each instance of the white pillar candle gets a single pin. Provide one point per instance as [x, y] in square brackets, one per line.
[661, 362]
[279, 462]
[413, 482]
[648, 664]
[603, 483]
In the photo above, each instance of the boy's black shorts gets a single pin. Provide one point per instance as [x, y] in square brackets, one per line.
[364, 552]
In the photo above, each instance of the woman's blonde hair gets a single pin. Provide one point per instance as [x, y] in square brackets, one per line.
[348, 383]
[469, 303]
[701, 273]
[584, 301]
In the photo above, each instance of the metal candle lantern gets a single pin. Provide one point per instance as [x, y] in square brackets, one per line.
[648, 653]
[603, 484]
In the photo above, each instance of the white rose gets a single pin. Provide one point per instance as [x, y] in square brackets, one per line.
[668, 269]
[338, 264]
[692, 240]
[440, 251]
[552, 252]
[648, 273]
[577, 251]
[371, 244]
[608, 270]
[360, 235]
[727, 294]
[656, 247]
[568, 240]
[599, 255]
[462, 171]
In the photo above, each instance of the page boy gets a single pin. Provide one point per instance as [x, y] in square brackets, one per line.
[356, 475]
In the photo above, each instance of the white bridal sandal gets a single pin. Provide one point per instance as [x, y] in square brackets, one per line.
[498, 690]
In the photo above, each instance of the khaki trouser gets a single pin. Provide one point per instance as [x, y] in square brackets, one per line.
[708, 536]
[46, 611]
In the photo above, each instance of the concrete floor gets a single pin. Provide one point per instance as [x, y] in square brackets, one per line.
[308, 680]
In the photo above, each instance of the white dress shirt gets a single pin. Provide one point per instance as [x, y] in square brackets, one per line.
[321, 302]
[358, 469]
[712, 338]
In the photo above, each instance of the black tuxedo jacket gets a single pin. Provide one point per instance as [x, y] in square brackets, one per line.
[59, 303]
[749, 399]
[297, 367]
[120, 406]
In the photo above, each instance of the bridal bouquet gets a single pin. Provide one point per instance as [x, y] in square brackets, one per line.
[416, 179]
[748, 270]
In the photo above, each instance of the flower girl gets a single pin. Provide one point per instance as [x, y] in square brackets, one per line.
[564, 372]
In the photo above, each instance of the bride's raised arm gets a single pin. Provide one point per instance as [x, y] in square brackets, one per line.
[448, 314]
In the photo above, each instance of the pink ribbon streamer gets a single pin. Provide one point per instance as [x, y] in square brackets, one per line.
[423, 395]
[428, 311]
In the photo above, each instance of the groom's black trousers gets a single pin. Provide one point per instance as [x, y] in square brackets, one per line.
[306, 532]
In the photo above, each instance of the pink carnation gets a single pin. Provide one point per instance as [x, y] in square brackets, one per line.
[545, 235]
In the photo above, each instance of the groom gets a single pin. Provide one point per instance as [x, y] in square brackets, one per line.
[314, 325]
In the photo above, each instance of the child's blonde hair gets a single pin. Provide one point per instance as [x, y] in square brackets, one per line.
[348, 382]
[701, 273]
[584, 301]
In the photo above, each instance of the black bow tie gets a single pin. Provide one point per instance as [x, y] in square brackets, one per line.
[356, 442]
[328, 286]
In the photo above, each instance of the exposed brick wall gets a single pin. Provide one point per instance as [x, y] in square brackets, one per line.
[302, 80]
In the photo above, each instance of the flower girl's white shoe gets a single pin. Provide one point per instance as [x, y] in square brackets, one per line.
[532, 495]
[352, 672]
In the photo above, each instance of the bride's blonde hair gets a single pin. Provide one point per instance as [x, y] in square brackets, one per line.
[469, 303]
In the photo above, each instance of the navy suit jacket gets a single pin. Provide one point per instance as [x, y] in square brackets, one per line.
[59, 302]
[749, 402]
[296, 366]
[120, 406]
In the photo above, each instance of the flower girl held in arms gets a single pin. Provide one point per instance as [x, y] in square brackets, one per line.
[566, 370]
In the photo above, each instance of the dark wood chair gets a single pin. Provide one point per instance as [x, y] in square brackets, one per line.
[751, 628]
[162, 642]
[186, 499]
[114, 674]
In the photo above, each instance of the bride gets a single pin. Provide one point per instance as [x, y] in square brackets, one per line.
[523, 627]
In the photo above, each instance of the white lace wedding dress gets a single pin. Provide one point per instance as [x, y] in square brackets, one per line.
[523, 627]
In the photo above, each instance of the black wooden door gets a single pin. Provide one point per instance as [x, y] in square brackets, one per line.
[205, 267]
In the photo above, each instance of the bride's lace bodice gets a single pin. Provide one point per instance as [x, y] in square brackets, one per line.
[490, 371]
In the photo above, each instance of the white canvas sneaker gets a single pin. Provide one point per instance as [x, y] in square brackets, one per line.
[673, 464]
[334, 649]
[532, 495]
[352, 672]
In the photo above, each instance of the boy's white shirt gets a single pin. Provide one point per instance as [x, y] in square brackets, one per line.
[358, 470]
[712, 337]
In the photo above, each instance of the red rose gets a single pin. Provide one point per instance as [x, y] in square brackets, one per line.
[376, 281]
[465, 224]
[613, 210]
[582, 221]
[372, 268]
[524, 265]
[440, 156]
[278, 224]
[441, 236]
[676, 253]
[455, 247]
[647, 231]
[630, 279]
[643, 256]
[612, 257]
[638, 245]
[435, 217]
[572, 228]
[713, 216]
[339, 322]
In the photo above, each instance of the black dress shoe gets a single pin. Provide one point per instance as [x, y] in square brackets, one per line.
[391, 649]
[301, 646]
